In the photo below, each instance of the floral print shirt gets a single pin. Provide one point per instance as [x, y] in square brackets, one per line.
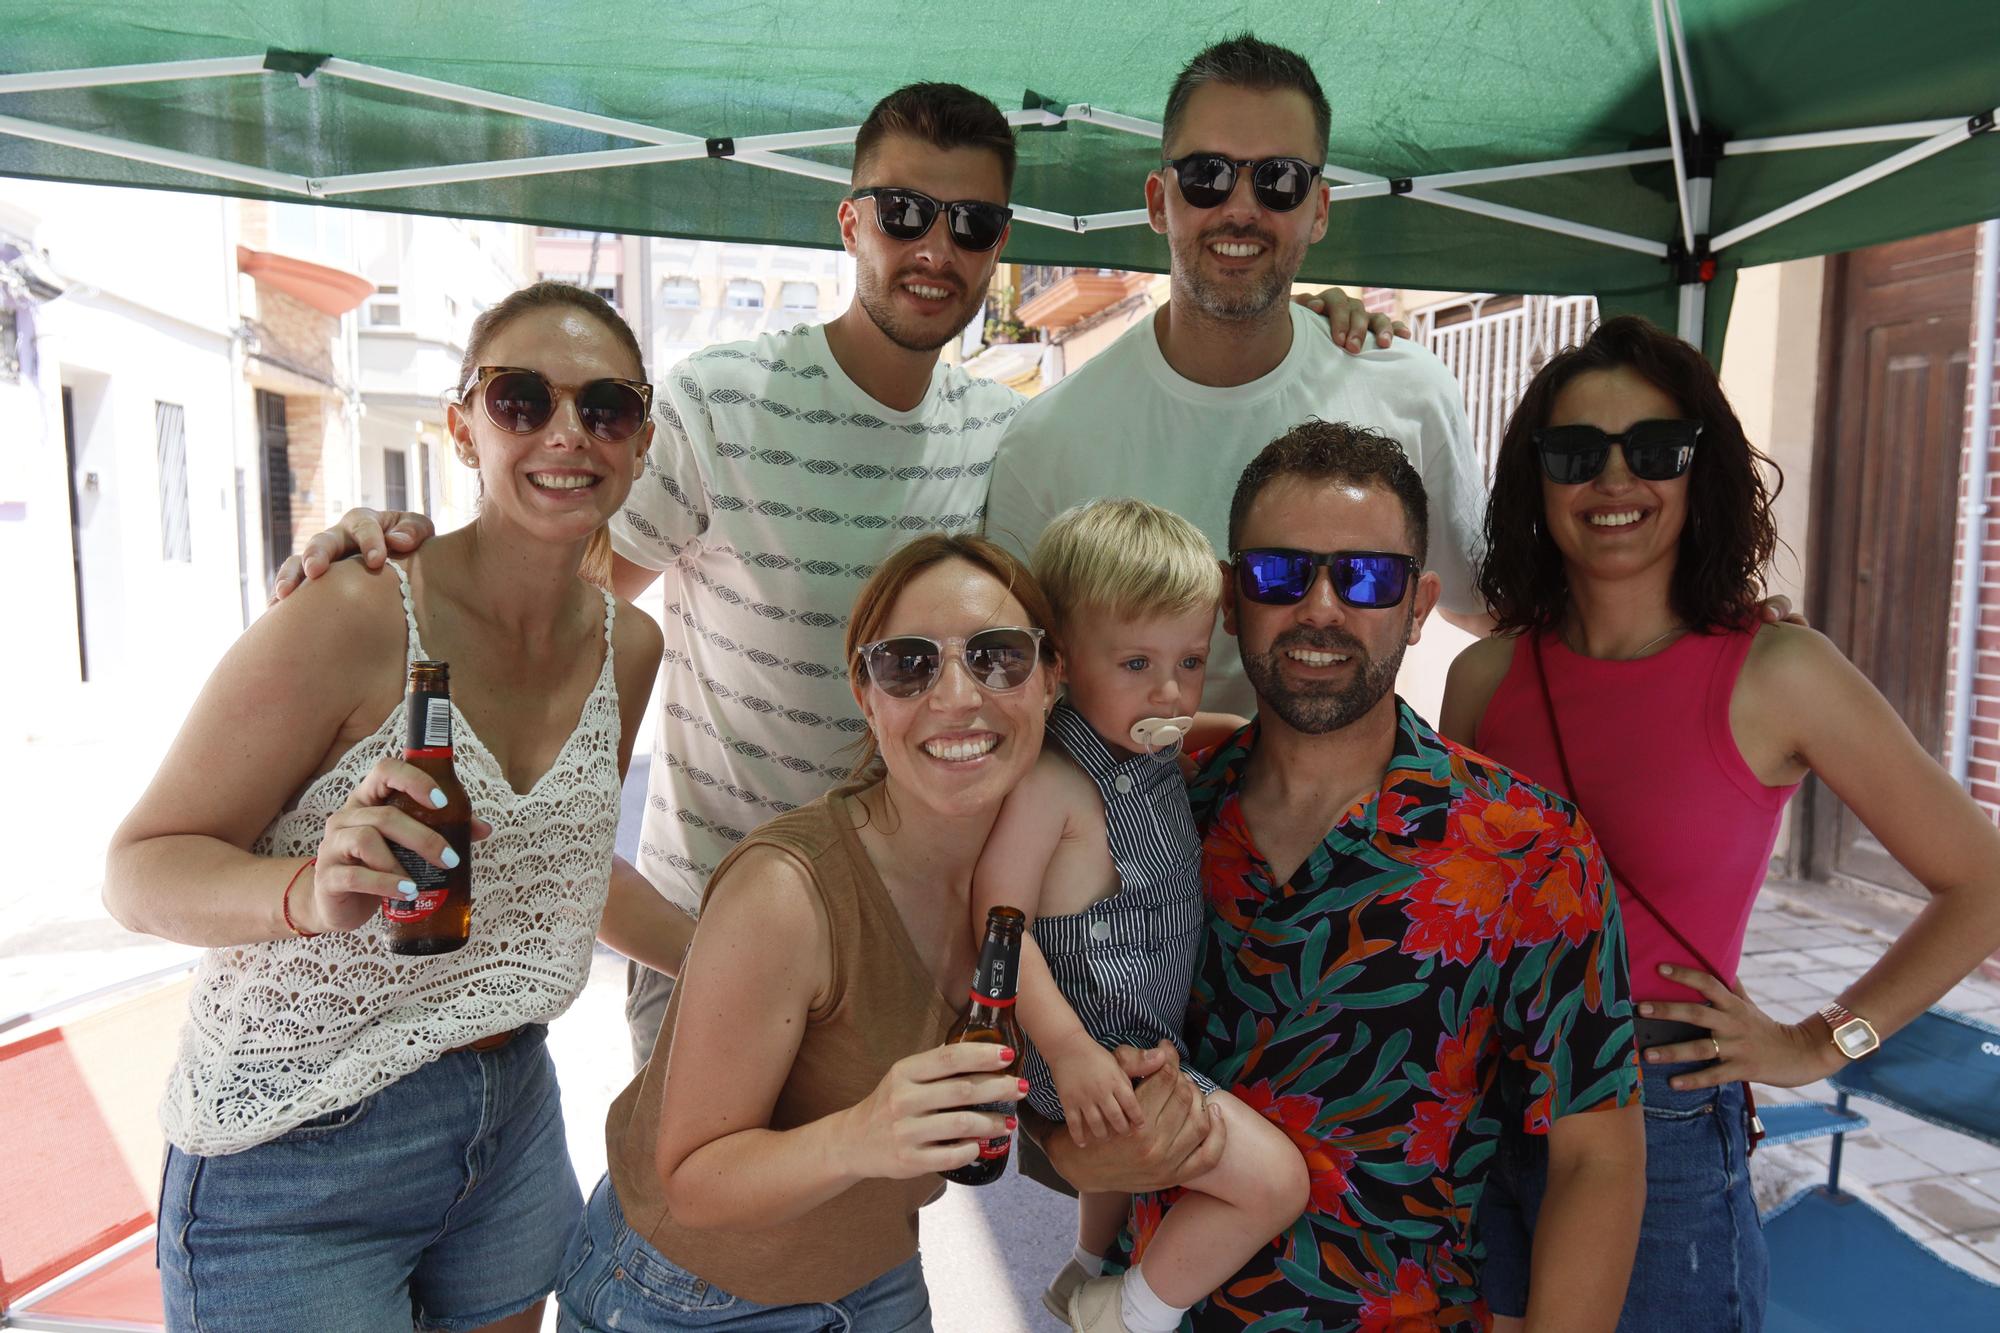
[1447, 960]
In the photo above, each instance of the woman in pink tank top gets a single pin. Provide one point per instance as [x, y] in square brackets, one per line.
[1628, 534]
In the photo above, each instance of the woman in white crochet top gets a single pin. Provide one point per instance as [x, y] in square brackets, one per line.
[361, 1140]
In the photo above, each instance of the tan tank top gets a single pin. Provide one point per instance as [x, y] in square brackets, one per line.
[882, 1005]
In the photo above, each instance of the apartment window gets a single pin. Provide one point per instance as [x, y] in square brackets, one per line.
[385, 308]
[745, 295]
[395, 479]
[610, 295]
[10, 347]
[170, 432]
[680, 294]
[799, 298]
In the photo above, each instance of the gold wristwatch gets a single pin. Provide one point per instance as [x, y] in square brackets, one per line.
[1853, 1036]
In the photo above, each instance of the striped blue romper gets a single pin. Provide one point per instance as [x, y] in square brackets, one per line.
[1126, 963]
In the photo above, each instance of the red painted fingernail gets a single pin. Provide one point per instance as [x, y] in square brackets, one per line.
[1010, 1122]
[1007, 1054]
[1024, 1085]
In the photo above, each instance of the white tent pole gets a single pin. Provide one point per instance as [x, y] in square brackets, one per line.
[1972, 557]
[1451, 180]
[1085, 113]
[1888, 166]
[1042, 217]
[795, 166]
[463, 95]
[415, 177]
[1539, 221]
[1673, 123]
[1130, 217]
[1785, 143]
[164, 71]
[158, 157]
[1687, 70]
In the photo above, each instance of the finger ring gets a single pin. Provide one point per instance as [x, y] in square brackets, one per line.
[1718, 1047]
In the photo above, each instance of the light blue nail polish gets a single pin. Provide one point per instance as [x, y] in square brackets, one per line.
[407, 889]
[437, 798]
[450, 859]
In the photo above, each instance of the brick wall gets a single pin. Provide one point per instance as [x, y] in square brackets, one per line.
[295, 334]
[1984, 772]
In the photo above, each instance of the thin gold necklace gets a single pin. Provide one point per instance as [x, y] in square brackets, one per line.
[1636, 653]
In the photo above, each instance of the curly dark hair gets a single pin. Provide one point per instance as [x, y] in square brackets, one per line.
[1316, 450]
[1728, 539]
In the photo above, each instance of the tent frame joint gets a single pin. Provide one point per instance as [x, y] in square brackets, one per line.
[1402, 185]
[1980, 123]
[723, 146]
[1695, 266]
[302, 65]
[1702, 149]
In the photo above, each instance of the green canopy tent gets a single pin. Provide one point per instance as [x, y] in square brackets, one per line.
[1641, 150]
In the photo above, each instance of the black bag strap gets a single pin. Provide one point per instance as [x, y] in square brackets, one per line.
[1756, 1124]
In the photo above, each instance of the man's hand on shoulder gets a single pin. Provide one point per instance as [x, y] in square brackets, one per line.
[365, 532]
[1349, 321]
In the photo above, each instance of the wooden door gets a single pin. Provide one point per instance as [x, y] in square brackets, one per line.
[1892, 429]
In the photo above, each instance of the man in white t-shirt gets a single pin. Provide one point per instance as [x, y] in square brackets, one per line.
[1173, 410]
[783, 470]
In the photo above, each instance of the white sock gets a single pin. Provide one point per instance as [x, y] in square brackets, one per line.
[1091, 1264]
[1143, 1311]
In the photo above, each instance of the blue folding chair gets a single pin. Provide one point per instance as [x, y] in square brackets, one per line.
[1837, 1263]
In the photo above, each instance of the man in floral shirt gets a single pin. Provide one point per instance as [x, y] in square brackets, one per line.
[1412, 950]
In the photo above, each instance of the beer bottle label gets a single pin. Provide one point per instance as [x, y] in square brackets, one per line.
[994, 980]
[996, 1147]
[429, 722]
[432, 881]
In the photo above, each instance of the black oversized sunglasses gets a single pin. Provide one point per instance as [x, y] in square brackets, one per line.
[999, 660]
[521, 402]
[905, 215]
[1280, 184]
[1654, 450]
[1280, 576]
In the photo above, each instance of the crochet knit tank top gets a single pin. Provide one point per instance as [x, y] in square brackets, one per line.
[283, 1031]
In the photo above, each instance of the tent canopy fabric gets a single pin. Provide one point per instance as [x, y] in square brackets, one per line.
[323, 96]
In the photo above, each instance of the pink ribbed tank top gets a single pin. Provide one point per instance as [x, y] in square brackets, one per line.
[1664, 787]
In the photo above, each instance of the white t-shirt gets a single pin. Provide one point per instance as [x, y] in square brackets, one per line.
[773, 488]
[1127, 424]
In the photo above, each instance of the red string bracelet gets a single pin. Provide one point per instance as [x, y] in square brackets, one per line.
[285, 903]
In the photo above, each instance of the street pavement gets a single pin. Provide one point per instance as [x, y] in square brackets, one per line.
[987, 1252]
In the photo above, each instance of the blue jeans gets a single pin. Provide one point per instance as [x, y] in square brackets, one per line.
[612, 1279]
[443, 1201]
[1701, 1262]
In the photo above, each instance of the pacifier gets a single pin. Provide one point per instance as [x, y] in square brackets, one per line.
[1161, 735]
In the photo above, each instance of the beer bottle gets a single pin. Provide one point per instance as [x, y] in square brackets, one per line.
[990, 1017]
[439, 918]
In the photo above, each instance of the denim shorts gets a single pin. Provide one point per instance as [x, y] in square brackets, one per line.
[443, 1201]
[612, 1279]
[1701, 1262]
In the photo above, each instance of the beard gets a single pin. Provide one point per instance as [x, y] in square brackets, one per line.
[1241, 297]
[1319, 707]
[876, 294]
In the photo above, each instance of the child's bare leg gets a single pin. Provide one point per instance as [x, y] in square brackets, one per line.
[1256, 1191]
[1099, 1219]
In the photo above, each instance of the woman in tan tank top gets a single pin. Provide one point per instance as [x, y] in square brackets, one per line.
[766, 1167]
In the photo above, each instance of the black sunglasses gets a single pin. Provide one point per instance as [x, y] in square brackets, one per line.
[1654, 450]
[998, 660]
[1279, 576]
[906, 215]
[521, 401]
[1280, 184]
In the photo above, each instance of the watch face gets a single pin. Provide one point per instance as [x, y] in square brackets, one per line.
[1855, 1039]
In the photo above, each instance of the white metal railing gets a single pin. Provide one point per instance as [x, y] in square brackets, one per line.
[1494, 355]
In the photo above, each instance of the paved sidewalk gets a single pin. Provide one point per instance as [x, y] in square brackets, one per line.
[1806, 943]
